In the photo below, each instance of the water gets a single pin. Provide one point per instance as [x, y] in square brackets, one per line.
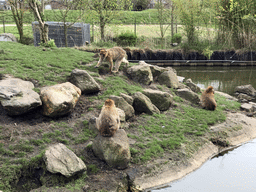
[235, 171]
[223, 79]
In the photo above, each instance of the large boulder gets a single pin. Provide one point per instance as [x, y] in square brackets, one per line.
[84, 81]
[162, 100]
[127, 98]
[246, 89]
[188, 95]
[192, 86]
[17, 96]
[59, 99]
[114, 150]
[249, 107]
[244, 97]
[155, 70]
[141, 74]
[8, 37]
[59, 159]
[122, 104]
[169, 78]
[143, 104]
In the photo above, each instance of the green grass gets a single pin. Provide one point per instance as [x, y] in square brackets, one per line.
[116, 85]
[29, 62]
[183, 125]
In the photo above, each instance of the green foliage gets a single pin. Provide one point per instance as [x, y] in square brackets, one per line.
[50, 43]
[106, 44]
[177, 37]
[237, 19]
[139, 5]
[127, 39]
[93, 168]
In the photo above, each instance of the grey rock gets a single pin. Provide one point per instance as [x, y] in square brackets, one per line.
[192, 86]
[248, 107]
[93, 125]
[122, 104]
[143, 104]
[8, 37]
[59, 159]
[59, 99]
[84, 81]
[114, 150]
[246, 89]
[227, 96]
[188, 95]
[141, 74]
[244, 97]
[17, 96]
[121, 114]
[162, 100]
[127, 98]
[169, 78]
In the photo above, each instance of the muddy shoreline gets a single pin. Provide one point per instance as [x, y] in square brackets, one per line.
[206, 152]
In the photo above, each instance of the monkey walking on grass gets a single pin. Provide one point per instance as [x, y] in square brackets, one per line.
[116, 54]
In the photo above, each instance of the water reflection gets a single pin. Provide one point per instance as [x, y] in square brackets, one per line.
[223, 79]
[234, 171]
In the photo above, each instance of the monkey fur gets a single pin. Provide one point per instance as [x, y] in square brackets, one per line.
[116, 54]
[207, 99]
[108, 121]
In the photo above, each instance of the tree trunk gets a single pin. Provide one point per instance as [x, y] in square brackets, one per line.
[102, 28]
[66, 34]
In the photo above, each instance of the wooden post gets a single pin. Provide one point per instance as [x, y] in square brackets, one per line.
[135, 27]
[92, 32]
[3, 24]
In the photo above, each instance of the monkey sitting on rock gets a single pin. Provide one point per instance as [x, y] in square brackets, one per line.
[108, 121]
[207, 99]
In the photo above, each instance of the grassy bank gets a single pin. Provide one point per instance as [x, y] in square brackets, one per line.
[175, 134]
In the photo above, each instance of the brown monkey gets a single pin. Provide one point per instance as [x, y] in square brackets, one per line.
[116, 54]
[207, 99]
[108, 122]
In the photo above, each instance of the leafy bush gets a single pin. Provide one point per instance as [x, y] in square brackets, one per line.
[127, 39]
[176, 38]
[50, 43]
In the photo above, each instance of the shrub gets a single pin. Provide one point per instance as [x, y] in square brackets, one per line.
[50, 43]
[176, 38]
[127, 39]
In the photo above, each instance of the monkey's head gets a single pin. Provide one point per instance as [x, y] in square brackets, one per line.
[103, 53]
[109, 103]
[209, 89]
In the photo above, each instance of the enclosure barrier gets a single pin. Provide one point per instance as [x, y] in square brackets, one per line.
[197, 62]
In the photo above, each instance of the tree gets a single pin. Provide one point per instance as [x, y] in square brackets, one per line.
[140, 5]
[238, 18]
[68, 14]
[107, 10]
[37, 7]
[17, 7]
[163, 16]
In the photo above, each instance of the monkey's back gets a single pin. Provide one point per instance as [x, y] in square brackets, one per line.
[117, 53]
[109, 121]
[208, 101]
